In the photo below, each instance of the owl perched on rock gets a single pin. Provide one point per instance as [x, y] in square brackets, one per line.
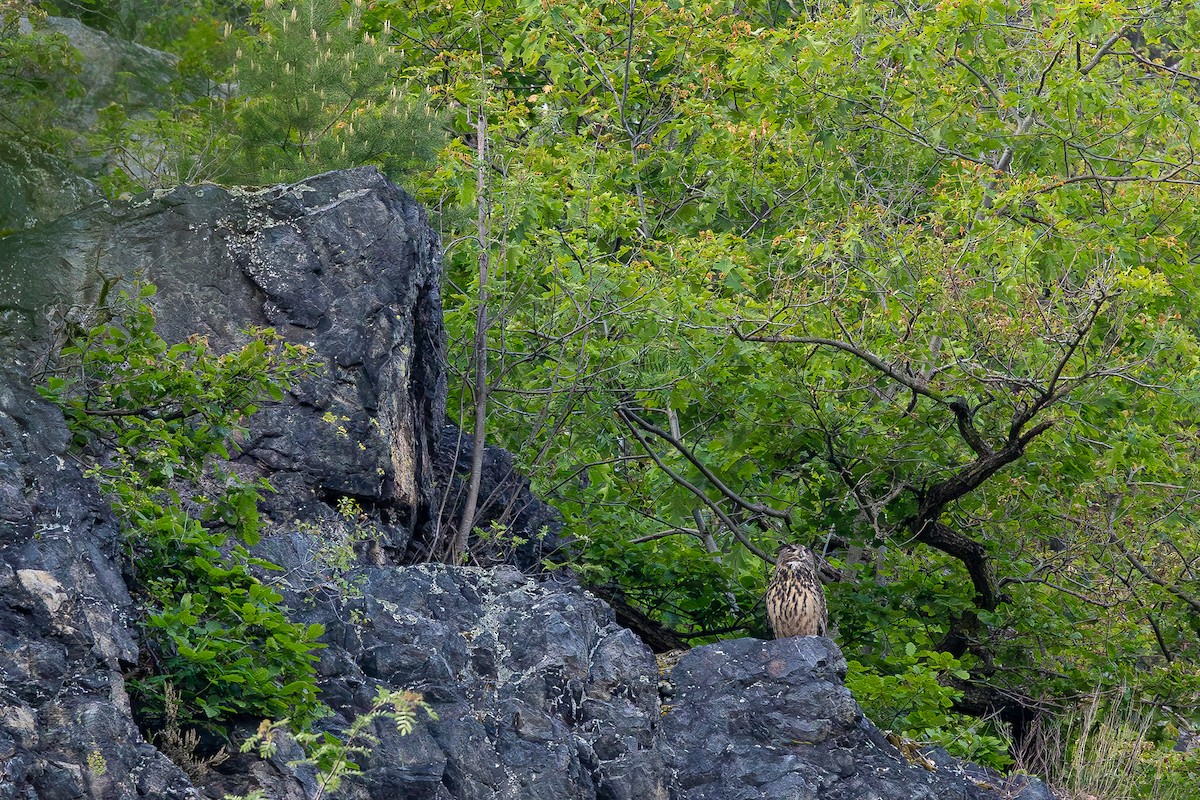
[795, 600]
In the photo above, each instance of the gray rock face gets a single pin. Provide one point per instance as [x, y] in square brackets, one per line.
[65, 725]
[114, 70]
[343, 263]
[37, 188]
[767, 720]
[539, 693]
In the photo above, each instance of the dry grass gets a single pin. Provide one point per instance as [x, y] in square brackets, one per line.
[180, 745]
[1101, 751]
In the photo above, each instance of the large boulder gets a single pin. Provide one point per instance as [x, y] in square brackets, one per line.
[343, 263]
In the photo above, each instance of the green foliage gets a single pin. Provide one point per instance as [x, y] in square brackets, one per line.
[186, 144]
[320, 90]
[906, 695]
[190, 139]
[841, 259]
[154, 24]
[333, 555]
[160, 420]
[37, 75]
[844, 259]
[316, 89]
[334, 757]
[1169, 775]
[118, 17]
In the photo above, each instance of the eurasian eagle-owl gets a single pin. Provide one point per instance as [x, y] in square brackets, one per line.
[795, 600]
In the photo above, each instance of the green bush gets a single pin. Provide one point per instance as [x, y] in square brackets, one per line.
[157, 422]
[332, 757]
[911, 700]
[37, 76]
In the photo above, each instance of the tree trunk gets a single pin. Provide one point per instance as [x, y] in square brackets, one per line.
[479, 441]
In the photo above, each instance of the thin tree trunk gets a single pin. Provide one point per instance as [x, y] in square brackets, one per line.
[467, 521]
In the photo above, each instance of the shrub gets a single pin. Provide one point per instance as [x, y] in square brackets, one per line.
[157, 422]
[907, 696]
[1112, 747]
[333, 758]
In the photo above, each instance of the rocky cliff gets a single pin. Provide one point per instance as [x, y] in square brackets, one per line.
[539, 692]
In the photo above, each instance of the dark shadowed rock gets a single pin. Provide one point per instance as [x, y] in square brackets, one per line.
[512, 526]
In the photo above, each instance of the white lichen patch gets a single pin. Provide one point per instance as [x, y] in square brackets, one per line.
[247, 191]
[297, 190]
[491, 628]
[398, 614]
[349, 194]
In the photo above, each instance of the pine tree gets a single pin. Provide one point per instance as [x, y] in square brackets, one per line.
[322, 91]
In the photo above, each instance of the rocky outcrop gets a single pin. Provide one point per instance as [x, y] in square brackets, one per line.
[65, 725]
[343, 263]
[539, 692]
[36, 188]
[755, 720]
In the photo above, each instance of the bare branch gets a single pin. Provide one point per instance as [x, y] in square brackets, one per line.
[913, 382]
[1077, 595]
[1104, 49]
[1147, 573]
[697, 491]
[650, 537]
[754, 508]
[1146, 62]
[1093, 177]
